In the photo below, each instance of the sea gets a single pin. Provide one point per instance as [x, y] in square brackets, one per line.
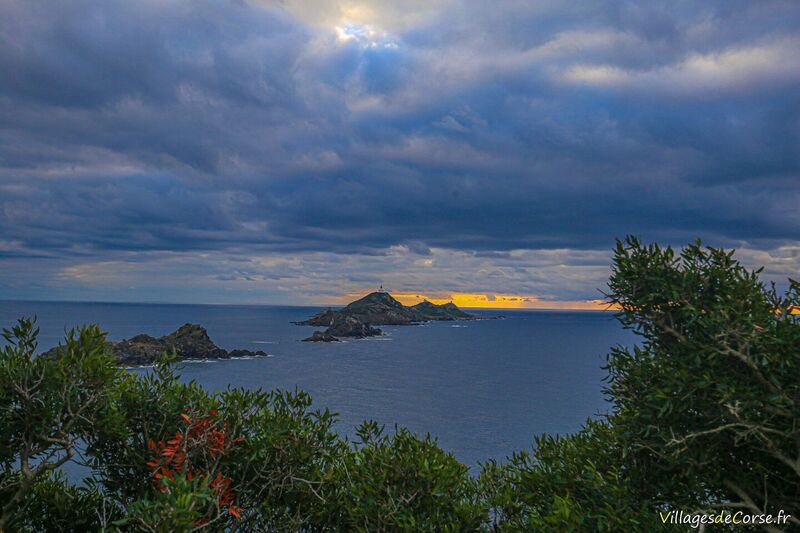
[483, 388]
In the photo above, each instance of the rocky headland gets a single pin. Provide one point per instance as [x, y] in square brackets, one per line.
[190, 341]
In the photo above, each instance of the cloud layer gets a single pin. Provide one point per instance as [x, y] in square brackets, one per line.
[272, 152]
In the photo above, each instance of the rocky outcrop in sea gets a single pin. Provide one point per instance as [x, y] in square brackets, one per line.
[348, 326]
[379, 308]
[344, 326]
[190, 341]
[321, 336]
[448, 311]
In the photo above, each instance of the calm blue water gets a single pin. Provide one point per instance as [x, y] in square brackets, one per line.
[483, 388]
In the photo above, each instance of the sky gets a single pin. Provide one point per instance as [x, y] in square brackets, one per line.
[304, 152]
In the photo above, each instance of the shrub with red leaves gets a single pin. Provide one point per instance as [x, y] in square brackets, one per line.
[195, 452]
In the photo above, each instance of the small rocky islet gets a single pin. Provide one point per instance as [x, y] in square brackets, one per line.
[357, 319]
[190, 341]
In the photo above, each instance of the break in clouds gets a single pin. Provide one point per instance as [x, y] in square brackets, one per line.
[294, 151]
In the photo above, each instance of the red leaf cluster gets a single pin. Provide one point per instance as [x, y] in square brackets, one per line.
[203, 437]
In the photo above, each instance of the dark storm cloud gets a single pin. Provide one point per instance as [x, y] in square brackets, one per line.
[220, 126]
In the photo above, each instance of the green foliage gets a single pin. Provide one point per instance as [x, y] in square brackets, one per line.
[574, 483]
[183, 506]
[400, 482]
[705, 408]
[284, 461]
[708, 404]
[54, 505]
[146, 407]
[47, 405]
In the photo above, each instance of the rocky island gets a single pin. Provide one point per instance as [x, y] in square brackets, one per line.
[378, 309]
[190, 341]
[343, 326]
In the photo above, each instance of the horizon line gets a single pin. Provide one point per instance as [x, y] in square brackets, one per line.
[231, 304]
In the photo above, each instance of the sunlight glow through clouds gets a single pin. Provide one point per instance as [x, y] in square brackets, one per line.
[391, 15]
[364, 35]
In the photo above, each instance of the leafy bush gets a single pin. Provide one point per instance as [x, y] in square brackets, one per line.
[706, 409]
[708, 405]
[399, 482]
[574, 483]
[47, 406]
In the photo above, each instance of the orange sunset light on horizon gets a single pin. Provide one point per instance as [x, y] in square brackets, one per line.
[487, 300]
